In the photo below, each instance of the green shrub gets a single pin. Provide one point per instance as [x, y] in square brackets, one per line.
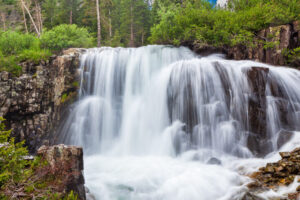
[35, 55]
[292, 55]
[12, 163]
[9, 64]
[197, 21]
[66, 36]
[31, 178]
[12, 43]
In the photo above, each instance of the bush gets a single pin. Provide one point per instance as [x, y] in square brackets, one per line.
[29, 179]
[9, 64]
[12, 163]
[197, 21]
[66, 36]
[16, 47]
[12, 42]
[34, 55]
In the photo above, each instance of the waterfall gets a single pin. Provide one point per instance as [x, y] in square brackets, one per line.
[150, 118]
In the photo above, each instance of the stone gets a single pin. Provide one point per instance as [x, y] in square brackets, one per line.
[66, 160]
[285, 154]
[281, 173]
[250, 196]
[214, 161]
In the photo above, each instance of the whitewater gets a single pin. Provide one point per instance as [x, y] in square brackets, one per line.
[163, 123]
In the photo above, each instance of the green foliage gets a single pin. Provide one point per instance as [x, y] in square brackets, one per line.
[31, 178]
[198, 21]
[68, 96]
[35, 56]
[292, 55]
[12, 42]
[12, 163]
[66, 36]
[9, 64]
[16, 47]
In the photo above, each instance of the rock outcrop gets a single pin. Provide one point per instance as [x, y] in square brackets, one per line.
[33, 103]
[66, 165]
[270, 46]
[281, 173]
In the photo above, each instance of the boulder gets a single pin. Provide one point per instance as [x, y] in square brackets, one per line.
[66, 163]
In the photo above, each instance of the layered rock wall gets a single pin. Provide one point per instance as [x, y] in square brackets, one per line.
[33, 103]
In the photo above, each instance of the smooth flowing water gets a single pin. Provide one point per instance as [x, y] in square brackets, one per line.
[162, 123]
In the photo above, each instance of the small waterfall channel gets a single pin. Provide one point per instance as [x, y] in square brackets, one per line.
[162, 123]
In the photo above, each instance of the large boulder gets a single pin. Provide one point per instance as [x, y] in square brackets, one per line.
[66, 164]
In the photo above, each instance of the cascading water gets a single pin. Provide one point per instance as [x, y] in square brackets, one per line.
[149, 120]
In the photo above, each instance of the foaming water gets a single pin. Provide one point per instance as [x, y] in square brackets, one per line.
[150, 119]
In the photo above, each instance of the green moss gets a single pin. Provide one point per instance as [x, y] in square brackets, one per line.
[75, 84]
[68, 97]
[271, 45]
[29, 189]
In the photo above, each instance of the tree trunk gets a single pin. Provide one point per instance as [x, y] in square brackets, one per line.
[98, 24]
[30, 16]
[24, 18]
[37, 17]
[143, 36]
[71, 16]
[110, 27]
[131, 26]
[40, 18]
[3, 17]
[71, 13]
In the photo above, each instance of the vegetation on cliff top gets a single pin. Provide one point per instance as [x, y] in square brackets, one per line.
[237, 24]
[22, 178]
[16, 47]
[32, 30]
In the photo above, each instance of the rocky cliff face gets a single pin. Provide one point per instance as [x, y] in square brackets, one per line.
[33, 103]
[270, 46]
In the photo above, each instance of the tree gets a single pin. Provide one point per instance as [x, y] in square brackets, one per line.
[31, 18]
[98, 24]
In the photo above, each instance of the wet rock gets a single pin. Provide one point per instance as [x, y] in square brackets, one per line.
[281, 173]
[250, 196]
[285, 154]
[66, 161]
[214, 161]
[202, 48]
[283, 137]
[182, 97]
[257, 140]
